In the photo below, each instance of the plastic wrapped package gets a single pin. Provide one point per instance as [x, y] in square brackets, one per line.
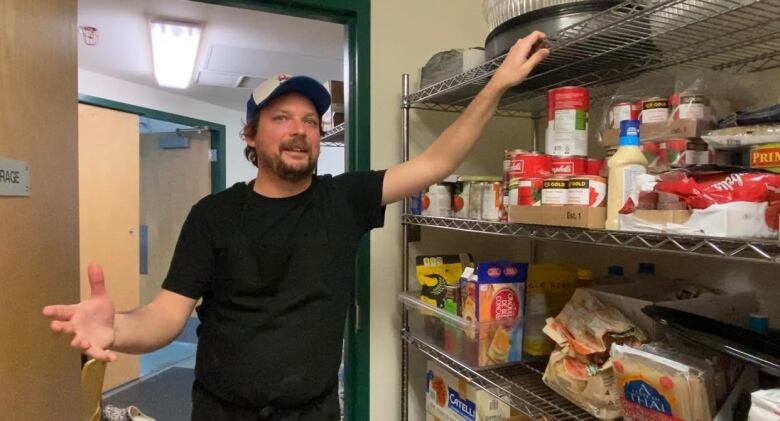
[677, 94]
[765, 405]
[738, 137]
[580, 368]
[653, 387]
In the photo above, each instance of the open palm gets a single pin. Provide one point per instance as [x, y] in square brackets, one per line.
[91, 322]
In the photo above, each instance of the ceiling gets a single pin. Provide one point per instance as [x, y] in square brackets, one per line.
[239, 49]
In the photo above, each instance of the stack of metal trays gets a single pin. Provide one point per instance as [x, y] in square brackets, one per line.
[518, 18]
[497, 12]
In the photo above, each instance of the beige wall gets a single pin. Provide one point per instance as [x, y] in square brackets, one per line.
[39, 260]
[405, 33]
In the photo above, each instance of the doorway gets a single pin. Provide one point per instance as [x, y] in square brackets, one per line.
[353, 17]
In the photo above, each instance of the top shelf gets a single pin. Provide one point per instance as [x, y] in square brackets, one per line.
[333, 137]
[634, 37]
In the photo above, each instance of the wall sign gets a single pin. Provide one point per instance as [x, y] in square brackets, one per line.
[14, 178]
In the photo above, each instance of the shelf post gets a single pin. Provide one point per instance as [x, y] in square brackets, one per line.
[405, 251]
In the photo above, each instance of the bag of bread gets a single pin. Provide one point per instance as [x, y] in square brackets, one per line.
[653, 387]
[580, 368]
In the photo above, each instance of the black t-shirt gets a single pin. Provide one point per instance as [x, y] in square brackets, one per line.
[276, 277]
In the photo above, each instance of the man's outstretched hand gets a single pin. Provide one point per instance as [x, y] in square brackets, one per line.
[91, 322]
[521, 59]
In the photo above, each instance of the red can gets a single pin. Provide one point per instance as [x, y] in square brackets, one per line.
[526, 191]
[530, 164]
[623, 111]
[675, 152]
[569, 165]
[595, 166]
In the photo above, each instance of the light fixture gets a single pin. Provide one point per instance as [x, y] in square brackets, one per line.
[174, 48]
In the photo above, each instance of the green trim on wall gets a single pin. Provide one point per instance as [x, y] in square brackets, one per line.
[356, 16]
[218, 135]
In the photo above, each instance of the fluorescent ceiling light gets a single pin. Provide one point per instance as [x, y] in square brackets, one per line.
[174, 48]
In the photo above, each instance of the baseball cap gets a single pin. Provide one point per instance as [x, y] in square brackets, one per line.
[281, 84]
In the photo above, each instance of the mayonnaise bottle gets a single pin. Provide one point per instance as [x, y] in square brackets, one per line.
[627, 163]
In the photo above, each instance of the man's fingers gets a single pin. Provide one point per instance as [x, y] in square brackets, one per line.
[59, 312]
[536, 58]
[96, 279]
[80, 343]
[524, 45]
[101, 354]
[62, 327]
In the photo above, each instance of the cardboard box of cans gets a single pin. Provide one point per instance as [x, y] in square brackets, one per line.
[562, 216]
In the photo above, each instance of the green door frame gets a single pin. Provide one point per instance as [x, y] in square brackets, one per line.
[355, 15]
[217, 131]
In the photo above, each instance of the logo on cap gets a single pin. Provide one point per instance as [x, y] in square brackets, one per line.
[282, 77]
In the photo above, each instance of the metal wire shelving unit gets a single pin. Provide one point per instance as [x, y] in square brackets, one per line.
[633, 38]
[767, 251]
[333, 137]
[518, 385]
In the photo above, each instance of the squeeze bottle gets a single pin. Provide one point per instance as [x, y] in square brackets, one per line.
[627, 163]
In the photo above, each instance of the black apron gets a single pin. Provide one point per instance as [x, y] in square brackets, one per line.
[246, 270]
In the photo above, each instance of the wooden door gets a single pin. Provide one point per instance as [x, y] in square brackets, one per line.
[172, 180]
[39, 372]
[109, 206]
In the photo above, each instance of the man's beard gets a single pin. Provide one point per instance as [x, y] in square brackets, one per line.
[283, 170]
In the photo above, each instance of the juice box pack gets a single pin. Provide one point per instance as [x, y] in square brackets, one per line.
[495, 299]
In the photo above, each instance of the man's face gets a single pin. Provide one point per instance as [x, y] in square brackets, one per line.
[288, 137]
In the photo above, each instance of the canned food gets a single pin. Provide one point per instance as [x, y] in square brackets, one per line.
[689, 106]
[654, 110]
[437, 201]
[595, 166]
[525, 191]
[567, 121]
[491, 201]
[415, 204]
[460, 199]
[530, 164]
[766, 157]
[588, 191]
[623, 111]
[675, 152]
[570, 165]
[655, 153]
[697, 152]
[555, 191]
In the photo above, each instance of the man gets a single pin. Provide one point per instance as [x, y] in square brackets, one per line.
[272, 259]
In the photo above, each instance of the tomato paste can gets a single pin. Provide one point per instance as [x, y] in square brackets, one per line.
[569, 165]
[697, 152]
[437, 201]
[460, 199]
[491, 201]
[567, 121]
[654, 110]
[526, 191]
[623, 111]
[530, 164]
[675, 152]
[588, 190]
[655, 153]
[689, 106]
[595, 166]
[555, 191]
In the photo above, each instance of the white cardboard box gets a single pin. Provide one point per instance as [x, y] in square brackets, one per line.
[630, 298]
[449, 397]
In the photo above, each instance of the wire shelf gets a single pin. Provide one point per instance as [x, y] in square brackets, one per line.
[632, 38]
[333, 137]
[767, 251]
[519, 385]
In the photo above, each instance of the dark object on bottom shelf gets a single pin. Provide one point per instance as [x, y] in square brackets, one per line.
[754, 348]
